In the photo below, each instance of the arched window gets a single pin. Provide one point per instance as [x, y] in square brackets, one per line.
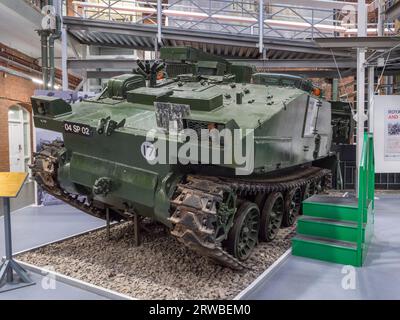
[19, 134]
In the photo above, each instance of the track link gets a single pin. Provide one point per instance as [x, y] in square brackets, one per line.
[44, 171]
[195, 206]
[195, 219]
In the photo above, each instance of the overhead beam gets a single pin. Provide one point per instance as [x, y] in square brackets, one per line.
[342, 64]
[128, 64]
[323, 73]
[116, 64]
[306, 73]
[358, 42]
[310, 73]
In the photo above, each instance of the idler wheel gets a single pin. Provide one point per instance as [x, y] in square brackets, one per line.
[292, 207]
[271, 216]
[243, 236]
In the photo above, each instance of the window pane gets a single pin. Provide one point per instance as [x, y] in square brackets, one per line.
[13, 114]
[26, 115]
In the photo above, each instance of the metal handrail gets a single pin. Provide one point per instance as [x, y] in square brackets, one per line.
[225, 16]
[366, 189]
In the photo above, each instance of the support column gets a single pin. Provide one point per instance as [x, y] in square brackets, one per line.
[390, 85]
[159, 21]
[7, 234]
[381, 25]
[156, 50]
[64, 58]
[261, 26]
[362, 32]
[86, 83]
[64, 44]
[55, 35]
[371, 93]
[45, 60]
[335, 89]
[264, 55]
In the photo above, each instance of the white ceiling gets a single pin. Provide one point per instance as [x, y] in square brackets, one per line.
[18, 32]
[18, 22]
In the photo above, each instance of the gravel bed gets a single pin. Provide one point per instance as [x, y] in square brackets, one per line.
[161, 268]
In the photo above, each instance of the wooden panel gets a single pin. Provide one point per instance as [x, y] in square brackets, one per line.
[11, 183]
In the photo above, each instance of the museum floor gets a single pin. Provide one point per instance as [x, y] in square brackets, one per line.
[379, 278]
[294, 278]
[33, 226]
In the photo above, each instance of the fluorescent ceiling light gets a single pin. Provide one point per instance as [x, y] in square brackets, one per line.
[38, 81]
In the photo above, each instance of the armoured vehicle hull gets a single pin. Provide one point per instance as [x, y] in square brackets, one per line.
[111, 156]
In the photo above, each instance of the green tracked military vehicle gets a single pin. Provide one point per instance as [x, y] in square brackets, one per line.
[147, 145]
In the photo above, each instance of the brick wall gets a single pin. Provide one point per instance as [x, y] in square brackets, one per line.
[346, 87]
[13, 90]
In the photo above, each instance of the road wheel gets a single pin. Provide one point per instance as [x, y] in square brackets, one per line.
[292, 207]
[243, 236]
[271, 217]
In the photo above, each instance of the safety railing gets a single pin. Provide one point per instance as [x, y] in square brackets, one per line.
[252, 17]
[227, 16]
[367, 172]
[366, 190]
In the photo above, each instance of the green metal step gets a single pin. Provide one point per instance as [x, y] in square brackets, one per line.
[343, 252]
[331, 207]
[327, 228]
[339, 229]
